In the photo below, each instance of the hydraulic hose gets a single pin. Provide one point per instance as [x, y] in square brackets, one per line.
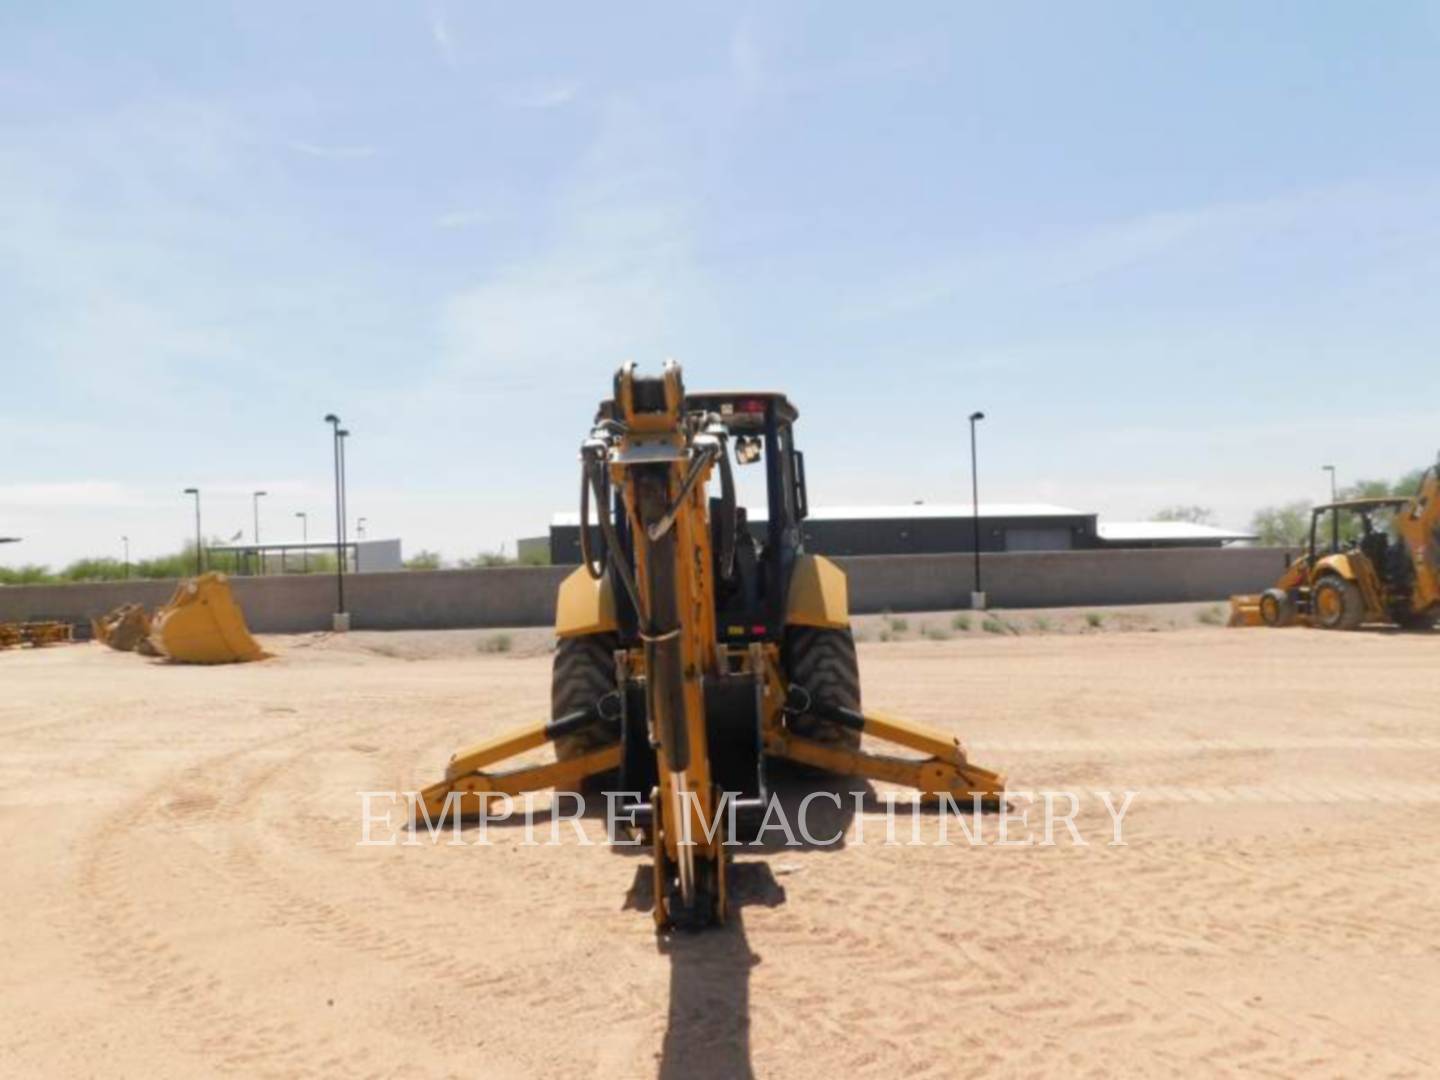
[728, 520]
[587, 558]
[592, 479]
[713, 450]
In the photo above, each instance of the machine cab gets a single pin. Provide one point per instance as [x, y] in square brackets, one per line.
[771, 505]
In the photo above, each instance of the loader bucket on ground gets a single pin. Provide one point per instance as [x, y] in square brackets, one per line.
[124, 628]
[1245, 611]
[203, 624]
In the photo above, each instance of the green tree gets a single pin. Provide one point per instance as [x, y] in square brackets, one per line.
[1408, 484]
[1282, 526]
[1196, 515]
[177, 565]
[487, 559]
[28, 574]
[423, 560]
[94, 569]
[1367, 489]
[540, 557]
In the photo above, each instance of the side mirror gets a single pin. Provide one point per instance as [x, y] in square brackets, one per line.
[747, 449]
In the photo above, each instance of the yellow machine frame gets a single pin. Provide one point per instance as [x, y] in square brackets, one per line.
[679, 650]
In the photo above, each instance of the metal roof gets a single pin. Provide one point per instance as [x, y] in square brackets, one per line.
[1369, 503]
[1165, 530]
[899, 512]
[913, 511]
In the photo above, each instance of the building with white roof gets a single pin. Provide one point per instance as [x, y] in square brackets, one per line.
[940, 528]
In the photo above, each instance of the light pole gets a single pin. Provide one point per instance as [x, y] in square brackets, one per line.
[126, 541]
[304, 541]
[255, 501]
[341, 622]
[1331, 470]
[199, 548]
[344, 507]
[977, 595]
[360, 527]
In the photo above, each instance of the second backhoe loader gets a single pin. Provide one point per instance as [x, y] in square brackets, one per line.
[1374, 560]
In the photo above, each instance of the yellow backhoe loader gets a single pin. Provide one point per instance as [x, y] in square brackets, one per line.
[693, 651]
[1381, 565]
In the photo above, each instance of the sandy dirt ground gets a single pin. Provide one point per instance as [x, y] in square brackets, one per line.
[184, 894]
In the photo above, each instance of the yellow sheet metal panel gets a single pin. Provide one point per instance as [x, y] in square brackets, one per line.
[203, 624]
[818, 594]
[584, 605]
[1245, 610]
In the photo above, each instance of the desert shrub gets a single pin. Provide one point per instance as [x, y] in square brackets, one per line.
[1211, 616]
[486, 560]
[496, 643]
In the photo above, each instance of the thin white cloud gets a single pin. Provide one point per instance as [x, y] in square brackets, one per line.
[464, 219]
[1165, 238]
[745, 60]
[441, 34]
[83, 493]
[334, 153]
[618, 277]
[549, 95]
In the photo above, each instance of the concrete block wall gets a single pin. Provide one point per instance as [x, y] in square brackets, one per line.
[1059, 578]
[525, 595]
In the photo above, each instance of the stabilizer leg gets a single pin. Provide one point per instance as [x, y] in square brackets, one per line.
[946, 770]
[470, 769]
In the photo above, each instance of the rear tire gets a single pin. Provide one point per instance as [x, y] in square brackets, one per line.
[1337, 604]
[582, 673]
[824, 662]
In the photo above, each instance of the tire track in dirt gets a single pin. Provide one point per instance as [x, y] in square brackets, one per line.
[993, 962]
[399, 931]
[150, 970]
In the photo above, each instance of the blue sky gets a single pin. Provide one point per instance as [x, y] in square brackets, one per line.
[1178, 254]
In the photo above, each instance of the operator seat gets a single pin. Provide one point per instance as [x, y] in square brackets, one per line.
[1375, 547]
[740, 595]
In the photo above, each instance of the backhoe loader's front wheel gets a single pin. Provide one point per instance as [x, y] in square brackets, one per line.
[582, 673]
[823, 661]
[1276, 608]
[1337, 604]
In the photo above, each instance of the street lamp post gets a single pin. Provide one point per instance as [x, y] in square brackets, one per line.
[255, 501]
[360, 527]
[977, 595]
[1331, 470]
[304, 541]
[344, 504]
[199, 547]
[341, 621]
[126, 541]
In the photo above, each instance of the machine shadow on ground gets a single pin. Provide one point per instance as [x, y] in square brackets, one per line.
[707, 1030]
